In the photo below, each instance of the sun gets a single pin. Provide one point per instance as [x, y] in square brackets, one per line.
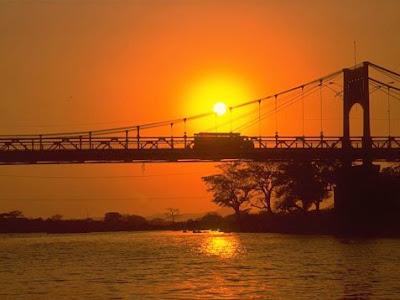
[219, 108]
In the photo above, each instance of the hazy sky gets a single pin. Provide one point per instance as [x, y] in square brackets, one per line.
[81, 65]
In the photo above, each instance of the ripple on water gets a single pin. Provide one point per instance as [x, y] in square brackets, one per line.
[200, 266]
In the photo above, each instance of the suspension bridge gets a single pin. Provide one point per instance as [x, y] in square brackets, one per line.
[131, 144]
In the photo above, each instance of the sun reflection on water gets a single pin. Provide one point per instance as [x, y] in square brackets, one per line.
[223, 246]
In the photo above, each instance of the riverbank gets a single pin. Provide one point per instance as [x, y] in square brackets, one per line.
[312, 223]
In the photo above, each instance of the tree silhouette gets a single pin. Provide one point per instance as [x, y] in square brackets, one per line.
[56, 217]
[173, 214]
[12, 214]
[211, 220]
[265, 177]
[232, 188]
[302, 184]
[111, 217]
[393, 171]
[326, 174]
[134, 220]
[390, 192]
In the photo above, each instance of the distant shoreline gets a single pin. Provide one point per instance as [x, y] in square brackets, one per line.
[321, 223]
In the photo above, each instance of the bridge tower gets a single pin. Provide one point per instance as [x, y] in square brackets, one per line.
[358, 186]
[356, 90]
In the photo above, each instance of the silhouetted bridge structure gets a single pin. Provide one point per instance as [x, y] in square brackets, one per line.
[181, 149]
[126, 144]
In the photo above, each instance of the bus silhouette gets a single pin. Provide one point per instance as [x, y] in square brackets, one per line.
[206, 141]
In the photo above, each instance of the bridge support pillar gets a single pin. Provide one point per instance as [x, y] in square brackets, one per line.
[357, 191]
[356, 198]
[356, 90]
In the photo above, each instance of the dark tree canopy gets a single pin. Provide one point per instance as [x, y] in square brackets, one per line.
[211, 220]
[232, 187]
[265, 177]
[56, 217]
[390, 191]
[173, 214]
[134, 220]
[392, 171]
[295, 186]
[112, 217]
[302, 184]
[12, 214]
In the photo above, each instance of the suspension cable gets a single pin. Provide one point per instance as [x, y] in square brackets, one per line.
[286, 103]
[389, 110]
[320, 108]
[230, 118]
[164, 123]
[302, 105]
[259, 119]
[276, 115]
[384, 70]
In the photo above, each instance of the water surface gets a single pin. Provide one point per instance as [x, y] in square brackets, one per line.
[176, 265]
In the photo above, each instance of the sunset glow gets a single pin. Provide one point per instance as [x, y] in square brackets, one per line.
[223, 246]
[240, 149]
[220, 108]
[203, 93]
[94, 66]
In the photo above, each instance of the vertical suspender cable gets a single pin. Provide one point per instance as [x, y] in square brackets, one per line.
[126, 139]
[320, 103]
[138, 136]
[276, 115]
[389, 111]
[184, 132]
[230, 118]
[259, 119]
[355, 53]
[172, 135]
[302, 105]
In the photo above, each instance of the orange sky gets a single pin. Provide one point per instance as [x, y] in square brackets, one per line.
[72, 65]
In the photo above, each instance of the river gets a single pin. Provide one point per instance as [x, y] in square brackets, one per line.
[177, 265]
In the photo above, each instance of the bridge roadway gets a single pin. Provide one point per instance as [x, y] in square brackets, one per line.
[53, 150]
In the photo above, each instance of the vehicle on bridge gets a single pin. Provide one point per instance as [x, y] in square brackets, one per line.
[221, 141]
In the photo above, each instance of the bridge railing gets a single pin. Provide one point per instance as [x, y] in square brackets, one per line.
[296, 142]
[93, 143]
[184, 142]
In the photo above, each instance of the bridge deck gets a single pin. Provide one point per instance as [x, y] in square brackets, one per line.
[28, 150]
